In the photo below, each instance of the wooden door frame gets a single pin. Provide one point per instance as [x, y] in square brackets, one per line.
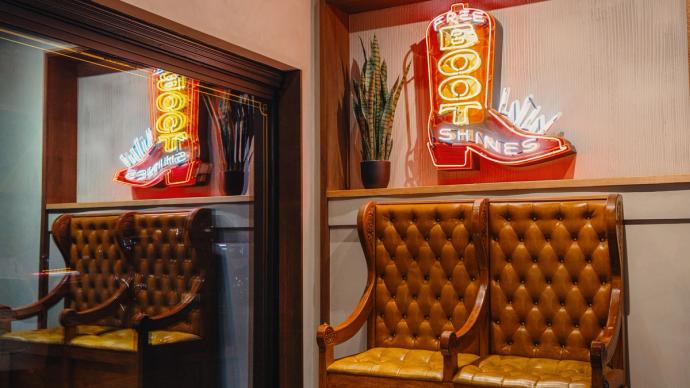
[153, 40]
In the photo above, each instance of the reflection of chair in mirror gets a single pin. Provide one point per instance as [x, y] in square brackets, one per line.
[557, 316]
[424, 299]
[171, 340]
[95, 294]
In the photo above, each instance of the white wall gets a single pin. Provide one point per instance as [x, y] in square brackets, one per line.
[657, 226]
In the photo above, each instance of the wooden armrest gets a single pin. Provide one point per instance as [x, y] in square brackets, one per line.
[451, 340]
[52, 298]
[144, 323]
[327, 335]
[5, 319]
[71, 318]
[604, 347]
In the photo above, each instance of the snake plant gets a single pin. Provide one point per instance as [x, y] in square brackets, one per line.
[234, 117]
[374, 105]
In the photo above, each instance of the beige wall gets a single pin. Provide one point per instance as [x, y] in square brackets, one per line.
[658, 223]
[283, 31]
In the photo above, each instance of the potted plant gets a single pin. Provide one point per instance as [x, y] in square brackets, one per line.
[374, 107]
[234, 118]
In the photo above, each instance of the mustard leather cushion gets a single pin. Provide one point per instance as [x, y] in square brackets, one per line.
[52, 335]
[126, 339]
[513, 371]
[396, 362]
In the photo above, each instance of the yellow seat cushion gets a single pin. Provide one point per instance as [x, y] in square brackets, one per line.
[53, 335]
[513, 371]
[126, 339]
[396, 362]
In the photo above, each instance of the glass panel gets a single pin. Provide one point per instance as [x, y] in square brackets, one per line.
[115, 130]
[21, 155]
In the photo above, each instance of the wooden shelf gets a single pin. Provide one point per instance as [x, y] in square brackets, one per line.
[357, 6]
[676, 180]
[61, 207]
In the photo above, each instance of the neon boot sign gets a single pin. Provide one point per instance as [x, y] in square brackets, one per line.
[462, 124]
[169, 153]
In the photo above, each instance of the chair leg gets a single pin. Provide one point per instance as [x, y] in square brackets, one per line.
[5, 372]
[67, 372]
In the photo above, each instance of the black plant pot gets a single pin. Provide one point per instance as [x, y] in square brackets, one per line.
[375, 173]
[234, 182]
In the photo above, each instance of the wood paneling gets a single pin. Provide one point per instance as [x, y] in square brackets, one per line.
[289, 176]
[71, 206]
[334, 126]
[356, 6]
[679, 181]
[60, 147]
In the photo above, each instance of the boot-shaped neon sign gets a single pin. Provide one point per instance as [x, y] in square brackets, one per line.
[170, 152]
[462, 124]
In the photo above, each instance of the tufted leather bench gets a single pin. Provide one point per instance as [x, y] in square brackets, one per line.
[89, 246]
[141, 310]
[427, 278]
[557, 314]
[170, 337]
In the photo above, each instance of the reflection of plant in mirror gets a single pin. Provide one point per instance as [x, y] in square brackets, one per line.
[374, 105]
[235, 119]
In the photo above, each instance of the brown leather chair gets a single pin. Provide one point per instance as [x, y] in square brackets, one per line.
[557, 316]
[427, 278]
[89, 246]
[171, 339]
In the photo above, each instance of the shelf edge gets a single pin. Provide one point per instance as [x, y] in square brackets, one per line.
[506, 186]
[52, 207]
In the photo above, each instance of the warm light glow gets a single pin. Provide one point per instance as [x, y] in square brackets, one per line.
[171, 151]
[462, 123]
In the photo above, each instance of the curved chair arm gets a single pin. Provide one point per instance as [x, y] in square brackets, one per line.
[71, 317]
[5, 319]
[143, 323]
[451, 340]
[327, 335]
[604, 347]
[52, 298]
